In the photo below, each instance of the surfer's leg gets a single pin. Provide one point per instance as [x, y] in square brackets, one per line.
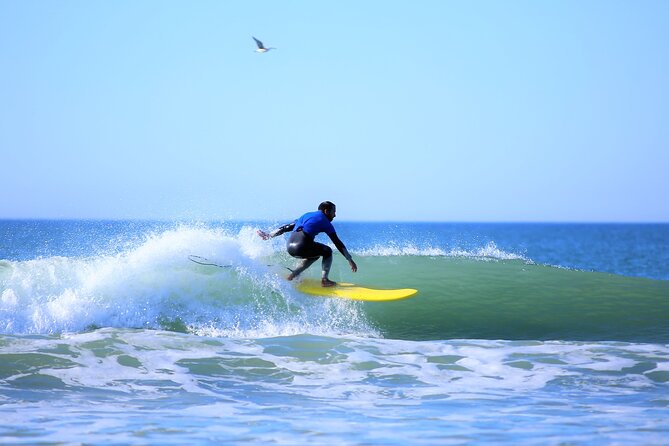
[327, 263]
[306, 263]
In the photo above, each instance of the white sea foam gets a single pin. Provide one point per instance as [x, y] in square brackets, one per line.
[153, 283]
[345, 368]
[270, 388]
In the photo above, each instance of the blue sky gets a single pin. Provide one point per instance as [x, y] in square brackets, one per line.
[430, 111]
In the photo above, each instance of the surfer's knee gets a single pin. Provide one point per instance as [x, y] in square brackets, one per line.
[327, 251]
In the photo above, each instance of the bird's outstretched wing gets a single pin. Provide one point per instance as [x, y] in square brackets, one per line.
[259, 43]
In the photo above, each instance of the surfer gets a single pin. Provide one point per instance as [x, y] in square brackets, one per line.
[301, 243]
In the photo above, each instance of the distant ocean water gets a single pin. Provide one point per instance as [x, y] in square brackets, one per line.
[543, 334]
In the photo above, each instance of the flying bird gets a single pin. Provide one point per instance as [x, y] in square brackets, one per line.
[261, 47]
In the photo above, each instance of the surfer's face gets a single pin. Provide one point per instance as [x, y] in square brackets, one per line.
[331, 213]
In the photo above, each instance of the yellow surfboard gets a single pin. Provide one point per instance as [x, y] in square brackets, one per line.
[352, 291]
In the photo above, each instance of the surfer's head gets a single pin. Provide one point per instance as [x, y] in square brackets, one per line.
[329, 209]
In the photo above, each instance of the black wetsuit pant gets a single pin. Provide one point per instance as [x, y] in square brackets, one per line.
[303, 246]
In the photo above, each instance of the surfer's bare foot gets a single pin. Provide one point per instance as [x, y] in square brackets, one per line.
[327, 283]
[290, 276]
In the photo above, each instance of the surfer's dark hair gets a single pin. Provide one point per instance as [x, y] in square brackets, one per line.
[326, 206]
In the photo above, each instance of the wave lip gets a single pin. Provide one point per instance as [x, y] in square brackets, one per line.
[489, 251]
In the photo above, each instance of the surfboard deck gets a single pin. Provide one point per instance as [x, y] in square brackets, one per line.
[352, 291]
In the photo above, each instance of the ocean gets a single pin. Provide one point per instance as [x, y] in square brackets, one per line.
[524, 334]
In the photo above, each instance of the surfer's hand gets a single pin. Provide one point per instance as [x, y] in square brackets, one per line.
[354, 267]
[263, 235]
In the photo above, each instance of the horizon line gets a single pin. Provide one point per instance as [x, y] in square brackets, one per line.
[265, 220]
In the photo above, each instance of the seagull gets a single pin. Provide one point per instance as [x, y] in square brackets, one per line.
[261, 47]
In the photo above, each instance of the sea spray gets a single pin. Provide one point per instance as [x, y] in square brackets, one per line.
[154, 285]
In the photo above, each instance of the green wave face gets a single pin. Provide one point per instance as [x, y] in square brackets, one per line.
[510, 299]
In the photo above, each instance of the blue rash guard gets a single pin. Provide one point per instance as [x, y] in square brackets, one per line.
[313, 223]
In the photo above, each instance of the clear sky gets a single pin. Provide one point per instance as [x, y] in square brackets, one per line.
[395, 110]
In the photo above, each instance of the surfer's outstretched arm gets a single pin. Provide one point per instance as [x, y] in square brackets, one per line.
[282, 230]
